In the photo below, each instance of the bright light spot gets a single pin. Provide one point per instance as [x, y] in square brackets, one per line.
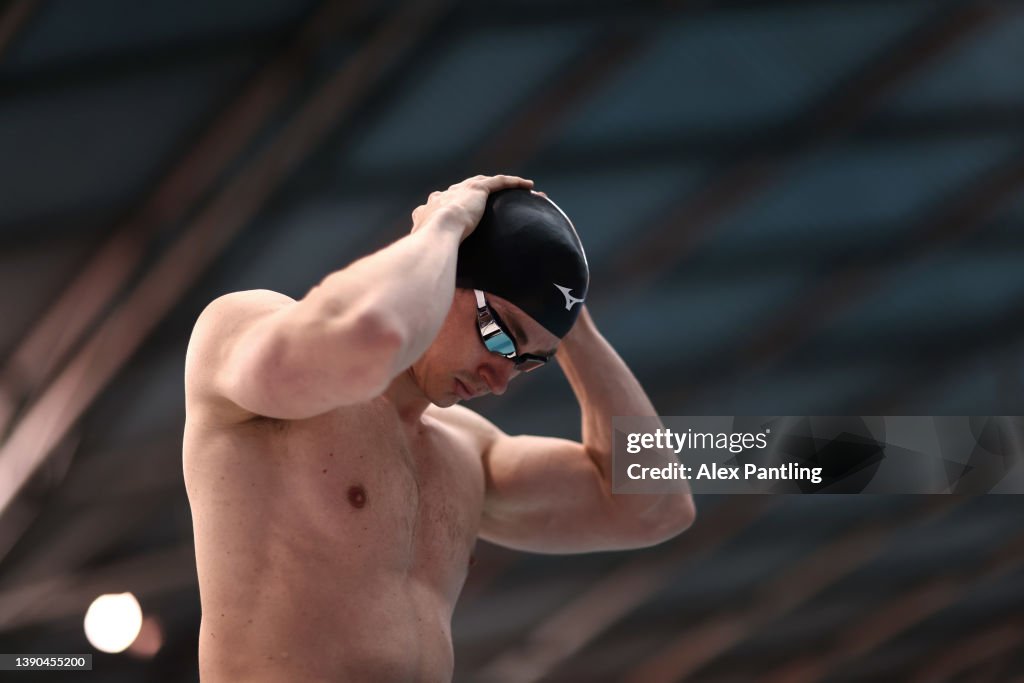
[113, 621]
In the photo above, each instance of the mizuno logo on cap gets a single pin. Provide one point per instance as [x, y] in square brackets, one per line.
[570, 300]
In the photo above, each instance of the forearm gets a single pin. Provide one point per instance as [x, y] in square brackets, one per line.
[407, 286]
[603, 384]
[605, 387]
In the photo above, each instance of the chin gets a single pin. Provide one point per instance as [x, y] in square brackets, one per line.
[443, 400]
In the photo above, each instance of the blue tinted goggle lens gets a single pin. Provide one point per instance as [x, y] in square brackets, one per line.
[500, 343]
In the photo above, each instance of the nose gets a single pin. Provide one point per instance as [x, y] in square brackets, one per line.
[497, 374]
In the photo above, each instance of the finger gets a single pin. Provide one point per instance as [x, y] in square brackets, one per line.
[466, 183]
[504, 181]
[470, 181]
[515, 180]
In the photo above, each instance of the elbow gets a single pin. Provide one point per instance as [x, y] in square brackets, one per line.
[378, 341]
[353, 359]
[365, 335]
[668, 516]
[680, 516]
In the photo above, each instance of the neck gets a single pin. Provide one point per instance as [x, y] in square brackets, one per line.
[406, 396]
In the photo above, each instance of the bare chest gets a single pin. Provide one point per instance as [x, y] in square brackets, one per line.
[363, 491]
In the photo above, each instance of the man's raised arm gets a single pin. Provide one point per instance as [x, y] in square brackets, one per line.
[554, 495]
[605, 387]
[350, 335]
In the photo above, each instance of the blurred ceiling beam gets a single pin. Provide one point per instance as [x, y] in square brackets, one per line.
[1008, 368]
[641, 13]
[953, 219]
[142, 61]
[924, 379]
[68, 226]
[69, 318]
[27, 587]
[141, 468]
[606, 601]
[73, 538]
[825, 122]
[949, 345]
[525, 132]
[774, 337]
[100, 357]
[69, 595]
[489, 562]
[706, 147]
[697, 646]
[721, 145]
[144, 475]
[13, 19]
[973, 650]
[993, 671]
[533, 126]
[885, 622]
[25, 510]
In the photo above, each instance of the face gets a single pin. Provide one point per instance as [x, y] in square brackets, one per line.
[457, 366]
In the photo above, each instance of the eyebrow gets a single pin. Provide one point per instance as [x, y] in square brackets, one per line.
[520, 335]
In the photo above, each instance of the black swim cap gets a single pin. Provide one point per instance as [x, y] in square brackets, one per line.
[526, 250]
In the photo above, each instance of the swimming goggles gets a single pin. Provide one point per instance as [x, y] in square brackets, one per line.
[497, 339]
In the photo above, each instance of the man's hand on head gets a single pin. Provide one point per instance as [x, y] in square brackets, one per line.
[462, 205]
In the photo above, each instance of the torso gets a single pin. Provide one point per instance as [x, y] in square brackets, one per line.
[334, 548]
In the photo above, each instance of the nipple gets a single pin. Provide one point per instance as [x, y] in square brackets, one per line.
[357, 496]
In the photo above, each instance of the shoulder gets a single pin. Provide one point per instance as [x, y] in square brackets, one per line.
[225, 318]
[468, 424]
[214, 337]
[236, 306]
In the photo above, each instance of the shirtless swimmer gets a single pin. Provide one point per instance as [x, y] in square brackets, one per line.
[337, 488]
